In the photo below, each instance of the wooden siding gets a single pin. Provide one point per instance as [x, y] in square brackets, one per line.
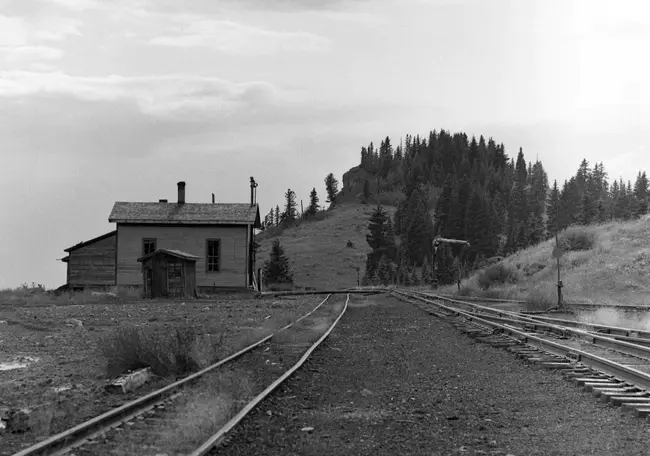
[190, 239]
[93, 264]
[170, 276]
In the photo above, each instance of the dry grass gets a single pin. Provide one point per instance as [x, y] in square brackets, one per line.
[613, 272]
[318, 249]
[37, 296]
[168, 351]
[212, 403]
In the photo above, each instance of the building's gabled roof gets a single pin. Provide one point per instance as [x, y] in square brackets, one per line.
[174, 253]
[187, 213]
[65, 259]
[84, 244]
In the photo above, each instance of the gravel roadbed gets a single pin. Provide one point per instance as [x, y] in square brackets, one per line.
[65, 386]
[392, 380]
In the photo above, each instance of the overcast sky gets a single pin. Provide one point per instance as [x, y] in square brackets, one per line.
[105, 100]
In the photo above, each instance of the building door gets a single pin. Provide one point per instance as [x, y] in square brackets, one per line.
[175, 280]
[148, 282]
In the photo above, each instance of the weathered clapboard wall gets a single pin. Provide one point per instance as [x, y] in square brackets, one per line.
[93, 265]
[190, 239]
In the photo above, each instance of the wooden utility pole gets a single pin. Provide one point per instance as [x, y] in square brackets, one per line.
[557, 253]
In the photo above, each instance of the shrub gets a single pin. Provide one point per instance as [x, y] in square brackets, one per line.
[577, 238]
[539, 300]
[499, 273]
[168, 351]
[533, 268]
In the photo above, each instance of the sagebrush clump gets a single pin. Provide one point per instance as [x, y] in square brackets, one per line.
[168, 351]
[499, 273]
[576, 239]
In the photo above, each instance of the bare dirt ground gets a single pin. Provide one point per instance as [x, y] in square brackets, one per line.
[65, 374]
[392, 380]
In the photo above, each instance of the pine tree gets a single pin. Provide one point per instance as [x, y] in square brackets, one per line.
[277, 215]
[415, 279]
[443, 206]
[276, 269]
[290, 211]
[536, 232]
[312, 209]
[418, 235]
[331, 187]
[383, 271]
[641, 193]
[553, 209]
[376, 239]
[425, 272]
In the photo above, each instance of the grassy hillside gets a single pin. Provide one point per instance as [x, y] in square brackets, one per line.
[318, 251]
[615, 270]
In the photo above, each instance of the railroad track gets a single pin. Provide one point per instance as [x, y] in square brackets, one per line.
[631, 335]
[193, 416]
[616, 371]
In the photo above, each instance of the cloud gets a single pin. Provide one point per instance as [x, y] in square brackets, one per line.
[295, 5]
[160, 96]
[76, 5]
[230, 36]
[21, 53]
[16, 31]
[29, 57]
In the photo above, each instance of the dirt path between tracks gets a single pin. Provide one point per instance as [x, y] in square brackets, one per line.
[392, 380]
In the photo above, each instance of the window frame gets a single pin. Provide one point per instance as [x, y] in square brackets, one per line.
[144, 243]
[207, 255]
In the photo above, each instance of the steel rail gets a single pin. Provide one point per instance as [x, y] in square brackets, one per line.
[61, 442]
[568, 304]
[598, 340]
[622, 372]
[216, 438]
[614, 330]
[618, 330]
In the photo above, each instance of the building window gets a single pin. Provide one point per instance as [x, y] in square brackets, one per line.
[148, 246]
[213, 255]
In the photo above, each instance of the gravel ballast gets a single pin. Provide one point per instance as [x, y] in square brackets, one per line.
[393, 380]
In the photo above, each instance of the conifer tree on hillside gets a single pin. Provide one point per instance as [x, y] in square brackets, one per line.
[331, 187]
[379, 238]
[425, 273]
[516, 189]
[641, 194]
[553, 209]
[290, 206]
[276, 269]
[277, 215]
[312, 209]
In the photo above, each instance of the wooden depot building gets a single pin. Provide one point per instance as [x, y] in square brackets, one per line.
[213, 239]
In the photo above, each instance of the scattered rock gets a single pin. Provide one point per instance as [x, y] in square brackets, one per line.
[73, 322]
[366, 392]
[130, 381]
[16, 421]
[307, 429]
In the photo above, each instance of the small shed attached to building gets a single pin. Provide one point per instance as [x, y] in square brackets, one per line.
[169, 273]
[92, 264]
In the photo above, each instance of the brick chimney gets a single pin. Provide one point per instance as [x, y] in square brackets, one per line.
[181, 192]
